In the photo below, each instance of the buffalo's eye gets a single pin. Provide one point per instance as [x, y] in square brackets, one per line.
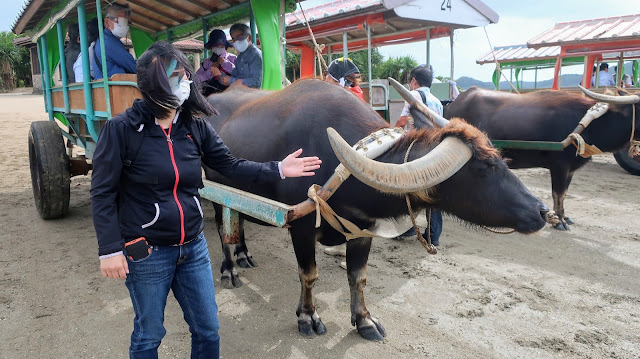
[483, 167]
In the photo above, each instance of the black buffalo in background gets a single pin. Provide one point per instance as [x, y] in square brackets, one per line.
[547, 116]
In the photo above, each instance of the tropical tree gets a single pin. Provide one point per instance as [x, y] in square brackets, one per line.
[292, 69]
[22, 71]
[361, 59]
[12, 60]
[398, 68]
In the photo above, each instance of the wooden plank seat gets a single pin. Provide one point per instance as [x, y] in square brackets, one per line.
[120, 95]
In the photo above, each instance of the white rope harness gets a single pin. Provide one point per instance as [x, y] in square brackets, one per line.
[371, 147]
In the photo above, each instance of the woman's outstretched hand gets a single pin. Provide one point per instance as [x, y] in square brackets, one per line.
[292, 166]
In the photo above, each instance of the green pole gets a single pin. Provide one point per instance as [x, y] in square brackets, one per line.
[634, 72]
[205, 37]
[46, 79]
[86, 69]
[105, 77]
[252, 25]
[40, 57]
[267, 20]
[63, 66]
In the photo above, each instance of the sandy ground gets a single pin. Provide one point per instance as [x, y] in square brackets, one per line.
[548, 295]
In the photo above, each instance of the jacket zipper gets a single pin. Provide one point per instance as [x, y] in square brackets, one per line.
[175, 186]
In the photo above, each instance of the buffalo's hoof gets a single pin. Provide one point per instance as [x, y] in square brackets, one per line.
[568, 220]
[370, 329]
[310, 325]
[245, 260]
[561, 226]
[230, 279]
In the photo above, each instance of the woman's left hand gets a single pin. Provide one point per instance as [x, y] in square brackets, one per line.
[292, 166]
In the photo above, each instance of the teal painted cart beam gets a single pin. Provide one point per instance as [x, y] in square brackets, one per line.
[264, 209]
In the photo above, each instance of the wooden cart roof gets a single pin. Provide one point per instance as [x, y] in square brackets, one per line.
[391, 21]
[151, 16]
[604, 34]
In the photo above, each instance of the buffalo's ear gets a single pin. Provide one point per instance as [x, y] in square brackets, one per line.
[420, 120]
[622, 92]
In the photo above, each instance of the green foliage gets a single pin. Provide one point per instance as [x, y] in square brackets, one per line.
[397, 67]
[361, 59]
[14, 62]
[292, 65]
[23, 70]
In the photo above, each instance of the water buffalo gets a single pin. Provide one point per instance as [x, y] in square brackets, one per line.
[454, 169]
[546, 116]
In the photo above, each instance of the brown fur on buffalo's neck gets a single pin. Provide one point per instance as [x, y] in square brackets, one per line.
[476, 139]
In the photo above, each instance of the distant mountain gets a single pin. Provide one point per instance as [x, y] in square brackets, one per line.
[565, 80]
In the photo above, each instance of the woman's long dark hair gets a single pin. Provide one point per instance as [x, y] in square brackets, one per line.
[154, 84]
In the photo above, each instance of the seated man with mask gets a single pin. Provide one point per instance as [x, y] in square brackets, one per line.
[248, 70]
[116, 26]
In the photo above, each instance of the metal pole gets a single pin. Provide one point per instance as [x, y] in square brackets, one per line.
[620, 69]
[535, 81]
[329, 54]
[63, 66]
[40, 59]
[46, 80]
[511, 78]
[205, 37]
[345, 46]
[452, 62]
[252, 25]
[428, 46]
[597, 80]
[369, 63]
[105, 77]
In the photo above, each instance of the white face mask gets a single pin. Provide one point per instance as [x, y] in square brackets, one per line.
[182, 91]
[121, 28]
[241, 46]
[219, 51]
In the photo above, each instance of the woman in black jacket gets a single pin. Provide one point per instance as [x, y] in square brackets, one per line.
[146, 207]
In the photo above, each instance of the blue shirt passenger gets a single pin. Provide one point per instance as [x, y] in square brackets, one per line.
[119, 60]
[248, 67]
[248, 70]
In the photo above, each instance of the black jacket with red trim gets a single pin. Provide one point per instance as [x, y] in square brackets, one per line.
[156, 197]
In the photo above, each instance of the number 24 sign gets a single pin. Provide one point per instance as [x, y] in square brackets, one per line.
[446, 4]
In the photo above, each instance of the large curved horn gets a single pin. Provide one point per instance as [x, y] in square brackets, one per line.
[438, 120]
[623, 100]
[432, 169]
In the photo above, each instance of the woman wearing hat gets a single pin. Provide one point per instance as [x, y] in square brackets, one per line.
[220, 62]
[345, 73]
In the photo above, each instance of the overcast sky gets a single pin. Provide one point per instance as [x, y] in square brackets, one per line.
[520, 20]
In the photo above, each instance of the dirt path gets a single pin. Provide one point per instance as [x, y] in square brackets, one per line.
[548, 295]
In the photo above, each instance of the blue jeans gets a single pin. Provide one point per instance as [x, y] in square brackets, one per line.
[186, 270]
[436, 228]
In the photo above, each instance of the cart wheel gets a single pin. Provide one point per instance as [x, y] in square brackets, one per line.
[630, 164]
[50, 176]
